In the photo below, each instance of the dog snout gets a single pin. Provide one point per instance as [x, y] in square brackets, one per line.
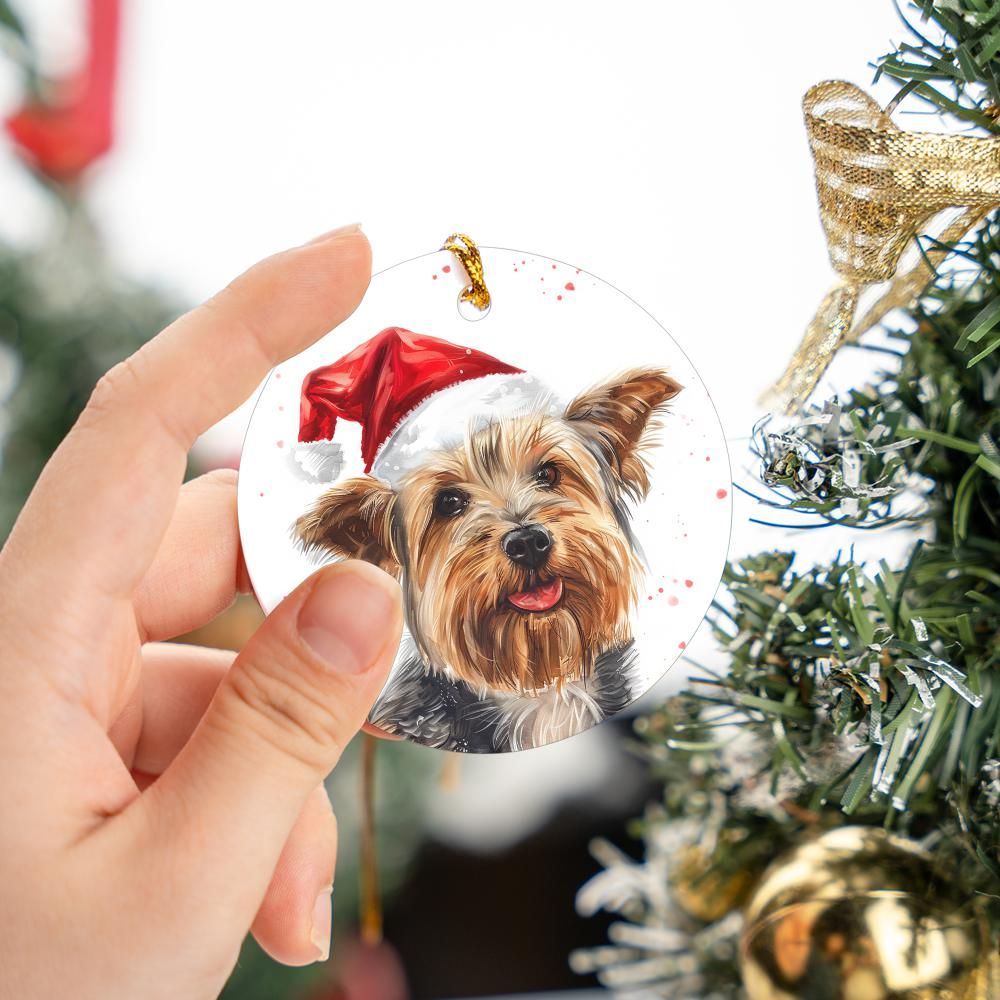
[528, 546]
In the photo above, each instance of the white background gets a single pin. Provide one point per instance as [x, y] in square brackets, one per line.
[658, 145]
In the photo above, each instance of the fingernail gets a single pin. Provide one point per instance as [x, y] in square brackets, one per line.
[333, 234]
[322, 923]
[347, 614]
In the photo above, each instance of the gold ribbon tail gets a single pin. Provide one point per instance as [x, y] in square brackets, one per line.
[904, 288]
[826, 333]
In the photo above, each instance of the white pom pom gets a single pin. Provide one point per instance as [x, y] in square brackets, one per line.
[320, 461]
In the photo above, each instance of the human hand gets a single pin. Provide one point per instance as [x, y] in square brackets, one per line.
[116, 885]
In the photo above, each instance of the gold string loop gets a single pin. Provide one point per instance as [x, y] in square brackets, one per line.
[467, 253]
[878, 187]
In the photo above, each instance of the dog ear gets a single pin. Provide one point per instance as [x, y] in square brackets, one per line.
[619, 416]
[353, 520]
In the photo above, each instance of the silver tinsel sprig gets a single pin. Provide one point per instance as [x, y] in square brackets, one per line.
[991, 784]
[830, 464]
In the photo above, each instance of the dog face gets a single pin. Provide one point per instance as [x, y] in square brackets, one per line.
[514, 549]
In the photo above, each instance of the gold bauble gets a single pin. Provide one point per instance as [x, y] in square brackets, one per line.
[859, 914]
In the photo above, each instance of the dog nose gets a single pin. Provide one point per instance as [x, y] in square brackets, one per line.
[528, 546]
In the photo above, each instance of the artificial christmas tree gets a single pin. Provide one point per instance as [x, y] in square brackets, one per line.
[856, 696]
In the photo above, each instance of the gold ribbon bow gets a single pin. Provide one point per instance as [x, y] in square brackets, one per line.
[878, 186]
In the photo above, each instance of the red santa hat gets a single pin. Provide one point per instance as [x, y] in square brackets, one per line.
[412, 395]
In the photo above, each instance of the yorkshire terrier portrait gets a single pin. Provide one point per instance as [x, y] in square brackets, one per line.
[510, 535]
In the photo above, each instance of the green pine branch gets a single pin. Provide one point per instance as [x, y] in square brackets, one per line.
[951, 60]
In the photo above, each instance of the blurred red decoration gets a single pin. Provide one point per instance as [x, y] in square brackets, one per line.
[63, 136]
[367, 972]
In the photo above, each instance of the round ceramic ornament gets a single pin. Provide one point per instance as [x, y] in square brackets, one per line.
[540, 467]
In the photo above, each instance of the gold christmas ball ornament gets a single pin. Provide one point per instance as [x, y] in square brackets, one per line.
[859, 914]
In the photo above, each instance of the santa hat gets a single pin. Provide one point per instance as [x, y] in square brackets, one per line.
[412, 395]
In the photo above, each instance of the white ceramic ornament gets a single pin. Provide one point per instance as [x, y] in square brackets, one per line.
[547, 479]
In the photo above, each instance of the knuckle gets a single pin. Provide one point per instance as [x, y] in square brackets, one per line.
[249, 326]
[124, 389]
[112, 387]
[289, 712]
[224, 479]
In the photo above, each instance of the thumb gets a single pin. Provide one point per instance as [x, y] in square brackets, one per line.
[277, 725]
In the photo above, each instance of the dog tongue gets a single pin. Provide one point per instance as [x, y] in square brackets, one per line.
[542, 598]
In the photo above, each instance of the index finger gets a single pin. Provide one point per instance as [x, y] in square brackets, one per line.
[102, 504]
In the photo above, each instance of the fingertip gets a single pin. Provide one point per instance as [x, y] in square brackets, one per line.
[291, 299]
[345, 252]
[338, 270]
[322, 923]
[332, 234]
[294, 922]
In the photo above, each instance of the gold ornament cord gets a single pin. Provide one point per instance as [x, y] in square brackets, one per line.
[878, 187]
[467, 252]
[371, 902]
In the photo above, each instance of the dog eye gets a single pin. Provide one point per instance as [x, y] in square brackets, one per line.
[547, 475]
[450, 503]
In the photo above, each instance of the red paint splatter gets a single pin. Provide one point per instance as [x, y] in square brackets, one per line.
[434, 277]
[522, 261]
[708, 458]
[553, 267]
[277, 374]
[569, 286]
[682, 645]
[673, 601]
[262, 494]
[542, 278]
[281, 409]
[446, 269]
[578, 270]
[280, 444]
[650, 597]
[515, 269]
[721, 494]
[689, 583]
[660, 589]
[559, 298]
